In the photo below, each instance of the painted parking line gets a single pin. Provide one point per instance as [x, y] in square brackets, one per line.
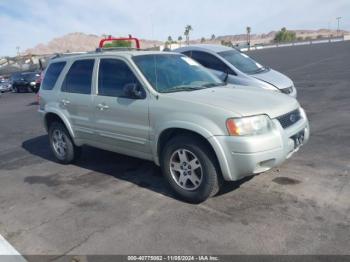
[8, 253]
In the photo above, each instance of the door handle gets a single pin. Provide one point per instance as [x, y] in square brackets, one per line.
[65, 102]
[102, 107]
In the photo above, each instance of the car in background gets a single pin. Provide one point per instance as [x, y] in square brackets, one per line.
[26, 82]
[235, 67]
[5, 85]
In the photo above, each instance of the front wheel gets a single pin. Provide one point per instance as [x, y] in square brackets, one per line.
[190, 168]
[62, 144]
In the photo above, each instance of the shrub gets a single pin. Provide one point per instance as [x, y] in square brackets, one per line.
[285, 36]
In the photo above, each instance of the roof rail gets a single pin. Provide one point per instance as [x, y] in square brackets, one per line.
[57, 55]
[111, 39]
[117, 49]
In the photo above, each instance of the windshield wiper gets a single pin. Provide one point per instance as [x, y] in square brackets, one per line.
[214, 85]
[182, 88]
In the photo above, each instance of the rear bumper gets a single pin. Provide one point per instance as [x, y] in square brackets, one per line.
[244, 156]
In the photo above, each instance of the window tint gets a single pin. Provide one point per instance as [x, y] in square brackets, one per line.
[209, 61]
[188, 53]
[79, 77]
[113, 76]
[51, 75]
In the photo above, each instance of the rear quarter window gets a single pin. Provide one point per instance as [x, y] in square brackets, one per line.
[51, 75]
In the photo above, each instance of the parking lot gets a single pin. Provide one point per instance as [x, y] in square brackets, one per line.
[112, 204]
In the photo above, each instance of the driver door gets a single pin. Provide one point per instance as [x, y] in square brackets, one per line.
[121, 121]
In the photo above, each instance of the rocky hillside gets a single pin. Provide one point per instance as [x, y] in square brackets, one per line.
[268, 38]
[76, 42]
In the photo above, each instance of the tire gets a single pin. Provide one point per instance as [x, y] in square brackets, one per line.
[15, 90]
[202, 181]
[64, 149]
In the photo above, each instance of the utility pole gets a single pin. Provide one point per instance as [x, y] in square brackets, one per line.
[338, 29]
[18, 57]
[248, 36]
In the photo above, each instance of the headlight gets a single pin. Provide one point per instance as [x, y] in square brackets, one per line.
[245, 126]
[302, 113]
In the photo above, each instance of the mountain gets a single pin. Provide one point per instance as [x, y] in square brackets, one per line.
[269, 37]
[78, 42]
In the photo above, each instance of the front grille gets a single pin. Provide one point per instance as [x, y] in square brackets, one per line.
[287, 90]
[290, 118]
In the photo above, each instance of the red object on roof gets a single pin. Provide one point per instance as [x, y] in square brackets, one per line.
[110, 39]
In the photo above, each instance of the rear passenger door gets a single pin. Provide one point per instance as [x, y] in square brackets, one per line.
[75, 97]
[122, 122]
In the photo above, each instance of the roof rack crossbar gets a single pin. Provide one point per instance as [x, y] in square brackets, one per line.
[110, 39]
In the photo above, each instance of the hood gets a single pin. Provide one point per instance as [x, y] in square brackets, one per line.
[242, 101]
[274, 78]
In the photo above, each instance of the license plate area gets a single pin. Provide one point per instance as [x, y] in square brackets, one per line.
[298, 139]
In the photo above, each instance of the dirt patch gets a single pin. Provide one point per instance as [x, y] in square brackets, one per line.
[286, 181]
[50, 181]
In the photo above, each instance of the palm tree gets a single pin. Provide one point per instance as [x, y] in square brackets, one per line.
[179, 39]
[170, 41]
[188, 29]
[248, 36]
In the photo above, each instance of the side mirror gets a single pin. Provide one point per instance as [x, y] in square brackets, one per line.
[133, 91]
[225, 75]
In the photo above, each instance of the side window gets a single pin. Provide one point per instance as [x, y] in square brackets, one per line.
[51, 75]
[210, 61]
[79, 77]
[113, 76]
[188, 53]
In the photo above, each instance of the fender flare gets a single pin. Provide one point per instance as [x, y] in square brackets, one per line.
[62, 117]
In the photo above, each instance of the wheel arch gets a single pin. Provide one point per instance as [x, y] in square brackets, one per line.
[52, 116]
[172, 132]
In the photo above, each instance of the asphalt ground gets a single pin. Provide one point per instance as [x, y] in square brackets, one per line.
[112, 204]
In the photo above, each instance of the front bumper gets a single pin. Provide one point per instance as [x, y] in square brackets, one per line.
[244, 156]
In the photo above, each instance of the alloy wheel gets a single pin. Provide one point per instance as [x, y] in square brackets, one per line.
[186, 169]
[59, 142]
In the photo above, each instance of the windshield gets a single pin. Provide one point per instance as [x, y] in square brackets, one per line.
[30, 76]
[242, 62]
[174, 73]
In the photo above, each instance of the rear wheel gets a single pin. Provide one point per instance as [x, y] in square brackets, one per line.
[62, 144]
[190, 168]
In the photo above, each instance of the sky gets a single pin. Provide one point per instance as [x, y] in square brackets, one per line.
[26, 23]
